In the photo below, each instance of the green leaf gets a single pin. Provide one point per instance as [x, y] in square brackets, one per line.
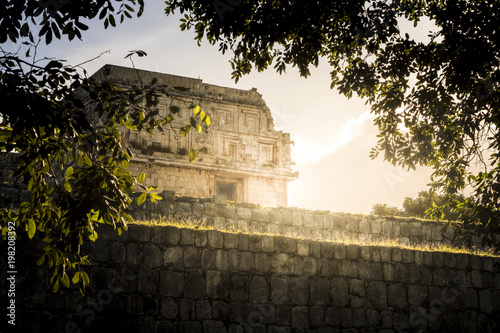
[87, 159]
[85, 278]
[181, 88]
[65, 280]
[207, 120]
[197, 110]
[192, 155]
[31, 228]
[67, 186]
[141, 198]
[184, 130]
[125, 164]
[174, 109]
[55, 286]
[40, 260]
[141, 177]
[69, 173]
[154, 196]
[76, 278]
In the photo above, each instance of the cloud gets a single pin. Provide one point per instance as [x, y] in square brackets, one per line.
[306, 151]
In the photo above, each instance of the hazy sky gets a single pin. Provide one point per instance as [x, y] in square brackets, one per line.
[333, 135]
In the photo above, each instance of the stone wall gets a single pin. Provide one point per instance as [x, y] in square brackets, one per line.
[218, 213]
[166, 279]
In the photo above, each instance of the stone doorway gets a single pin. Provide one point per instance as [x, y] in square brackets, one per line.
[227, 189]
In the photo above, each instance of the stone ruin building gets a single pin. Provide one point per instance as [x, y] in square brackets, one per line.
[246, 158]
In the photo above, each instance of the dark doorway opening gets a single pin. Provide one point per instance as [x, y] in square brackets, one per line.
[227, 189]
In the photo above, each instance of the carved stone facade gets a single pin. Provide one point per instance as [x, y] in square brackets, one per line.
[246, 158]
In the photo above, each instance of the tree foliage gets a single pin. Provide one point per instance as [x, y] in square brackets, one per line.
[64, 127]
[386, 210]
[436, 102]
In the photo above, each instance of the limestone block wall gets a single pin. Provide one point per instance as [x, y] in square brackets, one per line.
[218, 213]
[166, 279]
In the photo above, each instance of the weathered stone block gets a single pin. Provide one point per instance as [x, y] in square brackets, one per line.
[320, 291]
[275, 216]
[213, 326]
[148, 281]
[243, 213]
[285, 245]
[400, 322]
[194, 286]
[187, 236]
[208, 258]
[297, 219]
[317, 316]
[153, 257]
[192, 257]
[262, 262]
[397, 255]
[169, 308]
[376, 271]
[352, 252]
[339, 251]
[172, 235]
[187, 309]
[310, 267]
[260, 215]
[238, 288]
[415, 229]
[375, 226]
[416, 294]
[100, 250]
[388, 272]
[365, 253]
[450, 260]
[352, 223]
[220, 310]
[298, 264]
[245, 261]
[438, 259]
[340, 291]
[279, 290]
[357, 292]
[386, 254]
[227, 211]
[140, 232]
[332, 316]
[377, 295]
[173, 258]
[300, 317]
[134, 254]
[184, 208]
[346, 317]
[217, 284]
[396, 296]
[198, 209]
[219, 199]
[309, 221]
[407, 256]
[303, 248]
[118, 252]
[254, 243]
[298, 290]
[267, 243]
[338, 223]
[283, 315]
[314, 249]
[215, 239]
[327, 250]
[211, 209]
[364, 226]
[364, 270]
[286, 217]
[171, 283]
[350, 268]
[230, 240]
[359, 317]
[258, 289]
